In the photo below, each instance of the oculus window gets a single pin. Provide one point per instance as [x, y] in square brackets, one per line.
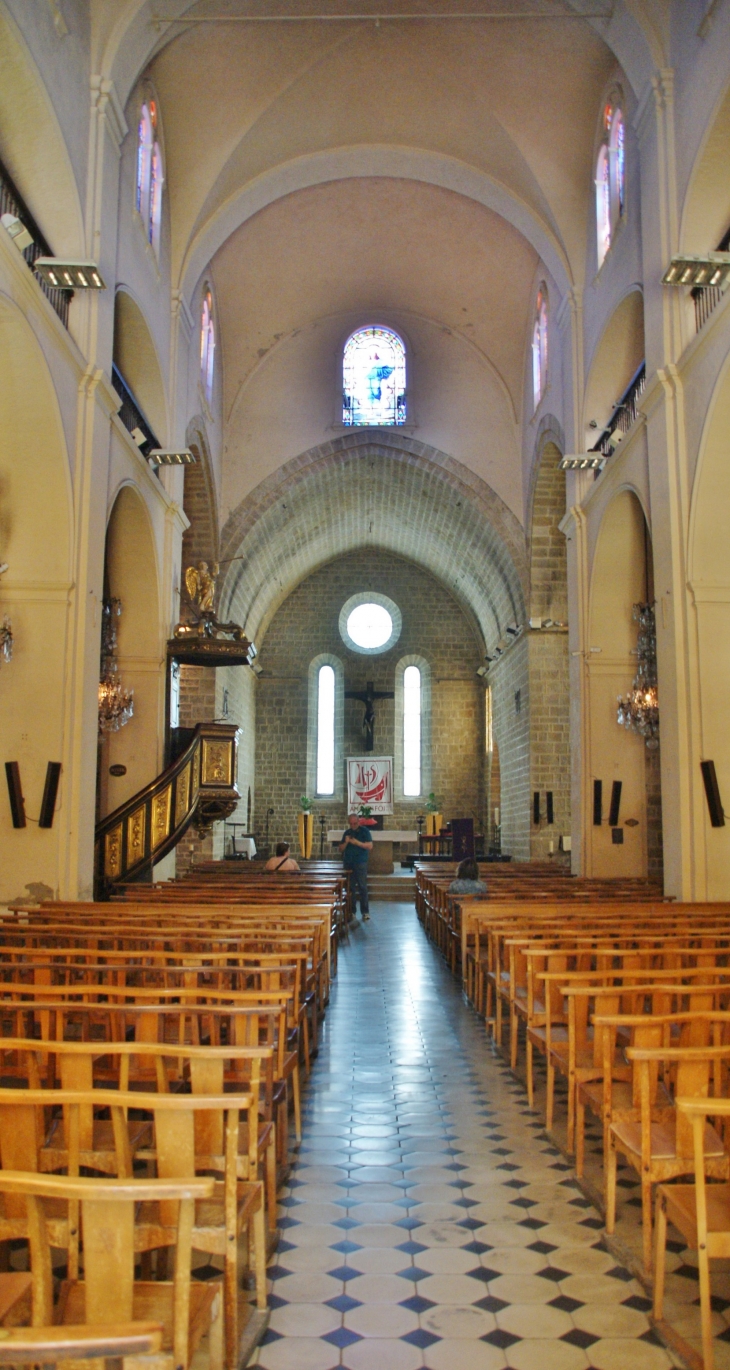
[326, 730]
[374, 378]
[370, 623]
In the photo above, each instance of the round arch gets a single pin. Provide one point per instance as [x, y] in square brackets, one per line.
[36, 521]
[617, 356]
[135, 354]
[706, 209]
[131, 576]
[375, 489]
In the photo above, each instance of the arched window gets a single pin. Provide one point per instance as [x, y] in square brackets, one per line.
[374, 378]
[207, 345]
[539, 346]
[326, 730]
[411, 731]
[610, 178]
[150, 175]
[412, 768]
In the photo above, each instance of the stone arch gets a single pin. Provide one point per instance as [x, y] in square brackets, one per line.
[131, 575]
[33, 147]
[617, 356]
[36, 591]
[709, 581]
[706, 210]
[200, 502]
[622, 575]
[375, 487]
[135, 354]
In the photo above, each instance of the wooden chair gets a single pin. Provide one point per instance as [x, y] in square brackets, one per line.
[109, 1292]
[659, 1143]
[48, 1346]
[701, 1212]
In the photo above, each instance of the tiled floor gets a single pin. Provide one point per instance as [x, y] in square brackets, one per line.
[428, 1223]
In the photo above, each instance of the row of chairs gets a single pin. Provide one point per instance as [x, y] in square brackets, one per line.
[150, 1058]
[628, 1001]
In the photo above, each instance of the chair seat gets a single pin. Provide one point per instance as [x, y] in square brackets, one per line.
[627, 1132]
[102, 1155]
[681, 1200]
[151, 1302]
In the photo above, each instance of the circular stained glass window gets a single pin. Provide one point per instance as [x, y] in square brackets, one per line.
[369, 625]
[370, 622]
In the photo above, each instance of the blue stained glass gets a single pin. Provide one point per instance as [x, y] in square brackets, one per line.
[374, 378]
[620, 163]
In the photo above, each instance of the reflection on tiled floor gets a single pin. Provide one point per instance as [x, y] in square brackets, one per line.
[428, 1223]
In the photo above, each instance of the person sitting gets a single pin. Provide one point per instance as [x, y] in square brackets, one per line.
[282, 862]
[467, 879]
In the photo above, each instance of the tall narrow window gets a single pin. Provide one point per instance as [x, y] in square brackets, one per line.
[488, 731]
[374, 378]
[618, 157]
[207, 345]
[144, 154]
[610, 178]
[326, 730]
[603, 205]
[150, 177]
[411, 731]
[539, 347]
[153, 231]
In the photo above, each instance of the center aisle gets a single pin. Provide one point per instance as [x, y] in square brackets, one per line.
[428, 1222]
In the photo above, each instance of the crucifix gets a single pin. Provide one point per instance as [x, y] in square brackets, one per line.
[368, 697]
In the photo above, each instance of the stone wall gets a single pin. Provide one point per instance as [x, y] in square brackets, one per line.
[306, 626]
[549, 737]
[654, 842]
[510, 681]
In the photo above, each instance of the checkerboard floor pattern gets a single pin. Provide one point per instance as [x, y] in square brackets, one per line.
[428, 1224]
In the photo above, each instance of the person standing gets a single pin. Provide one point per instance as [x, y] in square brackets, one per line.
[356, 846]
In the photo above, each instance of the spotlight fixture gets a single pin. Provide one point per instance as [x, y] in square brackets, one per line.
[65, 275]
[482, 670]
[18, 231]
[138, 436]
[710, 270]
[583, 461]
[160, 457]
[514, 631]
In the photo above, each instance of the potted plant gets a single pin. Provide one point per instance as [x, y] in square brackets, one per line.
[434, 819]
[366, 815]
[305, 827]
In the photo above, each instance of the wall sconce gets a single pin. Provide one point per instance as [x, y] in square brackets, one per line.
[67, 275]
[18, 231]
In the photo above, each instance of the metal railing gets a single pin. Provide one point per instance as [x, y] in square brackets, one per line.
[624, 415]
[12, 202]
[132, 416]
[706, 298]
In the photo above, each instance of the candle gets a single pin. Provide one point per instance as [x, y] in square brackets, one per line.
[551, 847]
[496, 818]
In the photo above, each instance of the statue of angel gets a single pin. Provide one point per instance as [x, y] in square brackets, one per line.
[200, 583]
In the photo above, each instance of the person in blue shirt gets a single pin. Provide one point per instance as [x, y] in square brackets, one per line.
[356, 846]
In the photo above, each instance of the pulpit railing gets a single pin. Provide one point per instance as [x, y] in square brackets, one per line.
[198, 787]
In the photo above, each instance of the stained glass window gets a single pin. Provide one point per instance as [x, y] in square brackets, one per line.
[603, 205]
[411, 731]
[144, 151]
[148, 196]
[618, 136]
[326, 730]
[207, 345]
[539, 347]
[374, 378]
[610, 178]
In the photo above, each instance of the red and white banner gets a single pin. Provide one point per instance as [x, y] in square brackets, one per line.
[370, 782]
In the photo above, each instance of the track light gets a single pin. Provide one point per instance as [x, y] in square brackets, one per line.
[18, 231]
[65, 275]
[583, 461]
[710, 270]
[183, 457]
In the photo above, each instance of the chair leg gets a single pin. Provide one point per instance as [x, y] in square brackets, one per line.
[259, 1253]
[706, 1309]
[271, 1182]
[215, 1336]
[610, 1159]
[580, 1135]
[660, 1255]
[230, 1299]
[297, 1105]
[646, 1223]
[305, 1039]
[571, 1116]
[550, 1099]
[513, 1039]
[530, 1072]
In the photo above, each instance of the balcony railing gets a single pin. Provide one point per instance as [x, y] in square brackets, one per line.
[132, 416]
[707, 297]
[12, 202]
[624, 415]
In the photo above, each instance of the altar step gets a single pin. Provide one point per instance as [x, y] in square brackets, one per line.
[400, 889]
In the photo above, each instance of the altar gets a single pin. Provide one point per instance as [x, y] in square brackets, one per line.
[381, 857]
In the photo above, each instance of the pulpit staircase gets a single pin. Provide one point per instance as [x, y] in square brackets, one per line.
[198, 787]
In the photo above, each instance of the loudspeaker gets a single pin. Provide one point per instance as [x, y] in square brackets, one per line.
[597, 803]
[15, 793]
[615, 803]
[50, 790]
[549, 799]
[712, 791]
[536, 807]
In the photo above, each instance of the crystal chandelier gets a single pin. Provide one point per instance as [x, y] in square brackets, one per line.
[640, 709]
[6, 640]
[116, 705]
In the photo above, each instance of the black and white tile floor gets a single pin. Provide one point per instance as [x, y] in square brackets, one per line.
[428, 1224]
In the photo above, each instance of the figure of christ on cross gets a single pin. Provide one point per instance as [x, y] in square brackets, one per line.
[368, 697]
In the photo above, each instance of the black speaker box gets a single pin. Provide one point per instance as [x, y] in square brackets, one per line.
[50, 790]
[15, 793]
[712, 791]
[615, 803]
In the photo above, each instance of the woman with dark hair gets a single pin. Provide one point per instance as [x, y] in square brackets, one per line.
[467, 879]
[282, 861]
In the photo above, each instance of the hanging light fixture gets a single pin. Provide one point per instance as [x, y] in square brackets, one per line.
[640, 710]
[116, 705]
[6, 640]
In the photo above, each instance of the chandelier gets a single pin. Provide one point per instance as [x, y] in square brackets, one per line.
[6, 640]
[640, 709]
[116, 705]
